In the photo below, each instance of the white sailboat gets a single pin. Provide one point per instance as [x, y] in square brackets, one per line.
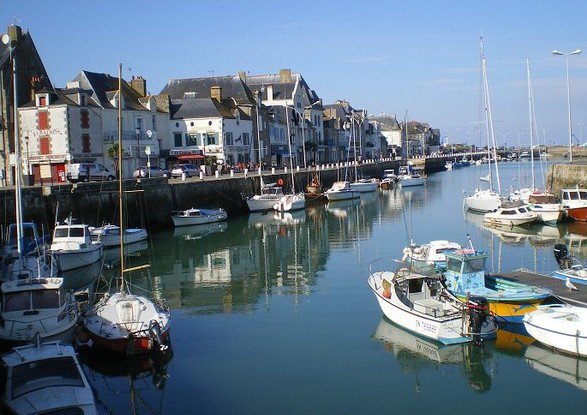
[487, 200]
[360, 185]
[123, 322]
[293, 200]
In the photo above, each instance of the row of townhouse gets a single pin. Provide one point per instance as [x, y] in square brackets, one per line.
[242, 119]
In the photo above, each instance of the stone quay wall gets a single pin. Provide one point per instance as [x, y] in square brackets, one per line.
[561, 176]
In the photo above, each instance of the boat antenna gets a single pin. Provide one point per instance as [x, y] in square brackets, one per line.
[470, 242]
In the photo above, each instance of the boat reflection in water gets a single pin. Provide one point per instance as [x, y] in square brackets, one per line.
[138, 381]
[342, 208]
[570, 369]
[195, 232]
[112, 256]
[415, 354]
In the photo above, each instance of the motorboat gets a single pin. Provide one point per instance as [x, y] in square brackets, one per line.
[429, 257]
[364, 185]
[270, 194]
[72, 246]
[36, 306]
[341, 190]
[483, 201]
[571, 269]
[386, 184]
[421, 305]
[388, 179]
[109, 235]
[195, 216]
[560, 326]
[407, 177]
[574, 202]
[448, 165]
[45, 378]
[292, 201]
[549, 210]
[509, 300]
[510, 214]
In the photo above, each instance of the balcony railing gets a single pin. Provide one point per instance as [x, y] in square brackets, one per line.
[112, 136]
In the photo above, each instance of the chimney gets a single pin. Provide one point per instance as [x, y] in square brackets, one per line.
[216, 93]
[242, 75]
[15, 33]
[139, 85]
[284, 75]
[269, 92]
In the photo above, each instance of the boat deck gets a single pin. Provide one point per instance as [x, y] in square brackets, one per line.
[557, 286]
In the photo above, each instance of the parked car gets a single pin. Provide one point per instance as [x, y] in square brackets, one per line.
[82, 172]
[188, 169]
[152, 171]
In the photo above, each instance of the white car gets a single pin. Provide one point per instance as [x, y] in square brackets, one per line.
[188, 169]
[82, 172]
[152, 171]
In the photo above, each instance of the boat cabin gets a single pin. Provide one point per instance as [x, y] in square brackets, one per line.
[72, 233]
[32, 295]
[465, 270]
[272, 191]
[573, 197]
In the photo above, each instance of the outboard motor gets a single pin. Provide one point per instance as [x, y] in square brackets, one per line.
[562, 256]
[478, 308]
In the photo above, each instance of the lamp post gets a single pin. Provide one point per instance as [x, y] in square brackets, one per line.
[138, 133]
[303, 136]
[566, 55]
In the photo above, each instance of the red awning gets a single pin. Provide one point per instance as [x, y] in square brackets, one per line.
[190, 157]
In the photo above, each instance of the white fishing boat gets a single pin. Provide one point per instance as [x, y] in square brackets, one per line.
[72, 246]
[341, 190]
[109, 235]
[195, 216]
[123, 322]
[562, 327]
[429, 257]
[36, 306]
[45, 378]
[421, 305]
[408, 177]
[545, 205]
[510, 214]
[270, 195]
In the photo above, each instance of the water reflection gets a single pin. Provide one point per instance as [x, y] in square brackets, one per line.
[416, 355]
[198, 231]
[569, 369]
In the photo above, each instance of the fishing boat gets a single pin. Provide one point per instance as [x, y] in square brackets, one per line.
[549, 210]
[341, 190]
[421, 305]
[486, 200]
[429, 257]
[408, 176]
[388, 179]
[570, 268]
[120, 321]
[270, 194]
[560, 326]
[45, 378]
[195, 216]
[574, 202]
[509, 300]
[510, 214]
[72, 246]
[109, 235]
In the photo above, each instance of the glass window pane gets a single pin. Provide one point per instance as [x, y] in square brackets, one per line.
[19, 301]
[45, 299]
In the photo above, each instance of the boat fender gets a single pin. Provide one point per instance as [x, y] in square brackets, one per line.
[387, 293]
[280, 182]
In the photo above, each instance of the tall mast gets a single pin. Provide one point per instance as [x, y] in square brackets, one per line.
[259, 139]
[293, 186]
[484, 102]
[530, 105]
[490, 122]
[120, 213]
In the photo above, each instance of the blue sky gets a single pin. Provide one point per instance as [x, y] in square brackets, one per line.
[383, 56]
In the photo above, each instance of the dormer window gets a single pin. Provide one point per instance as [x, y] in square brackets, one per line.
[42, 100]
[189, 95]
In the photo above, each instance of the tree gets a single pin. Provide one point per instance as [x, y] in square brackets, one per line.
[112, 153]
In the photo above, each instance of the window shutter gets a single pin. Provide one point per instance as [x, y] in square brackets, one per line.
[43, 120]
[45, 145]
[86, 143]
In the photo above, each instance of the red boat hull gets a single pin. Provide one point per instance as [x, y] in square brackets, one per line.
[127, 346]
[578, 214]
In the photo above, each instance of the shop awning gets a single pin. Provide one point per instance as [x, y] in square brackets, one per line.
[189, 157]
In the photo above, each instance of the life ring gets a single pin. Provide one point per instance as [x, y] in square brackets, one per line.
[280, 182]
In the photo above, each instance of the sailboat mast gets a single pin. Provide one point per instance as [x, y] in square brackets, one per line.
[530, 105]
[490, 124]
[120, 213]
[485, 109]
[293, 186]
[17, 163]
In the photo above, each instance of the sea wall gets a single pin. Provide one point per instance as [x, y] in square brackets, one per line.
[562, 176]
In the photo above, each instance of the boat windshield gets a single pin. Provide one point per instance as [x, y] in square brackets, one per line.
[31, 300]
[32, 376]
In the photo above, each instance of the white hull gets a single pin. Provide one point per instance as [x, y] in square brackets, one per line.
[112, 238]
[68, 260]
[206, 216]
[561, 327]
[291, 202]
[260, 205]
[548, 213]
[483, 201]
[411, 181]
[503, 221]
[364, 187]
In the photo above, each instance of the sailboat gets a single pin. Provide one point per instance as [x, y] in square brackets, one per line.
[360, 185]
[487, 200]
[123, 322]
[293, 200]
[407, 175]
[539, 201]
[33, 301]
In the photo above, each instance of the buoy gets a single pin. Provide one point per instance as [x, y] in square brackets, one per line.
[387, 294]
[280, 182]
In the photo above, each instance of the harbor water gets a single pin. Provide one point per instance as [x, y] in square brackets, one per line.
[271, 314]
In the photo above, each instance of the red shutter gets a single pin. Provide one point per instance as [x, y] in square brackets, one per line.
[43, 120]
[85, 118]
[86, 143]
[45, 145]
[42, 101]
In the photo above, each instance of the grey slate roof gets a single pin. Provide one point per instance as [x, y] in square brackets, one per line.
[232, 86]
[194, 108]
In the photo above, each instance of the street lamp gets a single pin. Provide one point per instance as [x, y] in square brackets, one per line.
[566, 55]
[303, 136]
